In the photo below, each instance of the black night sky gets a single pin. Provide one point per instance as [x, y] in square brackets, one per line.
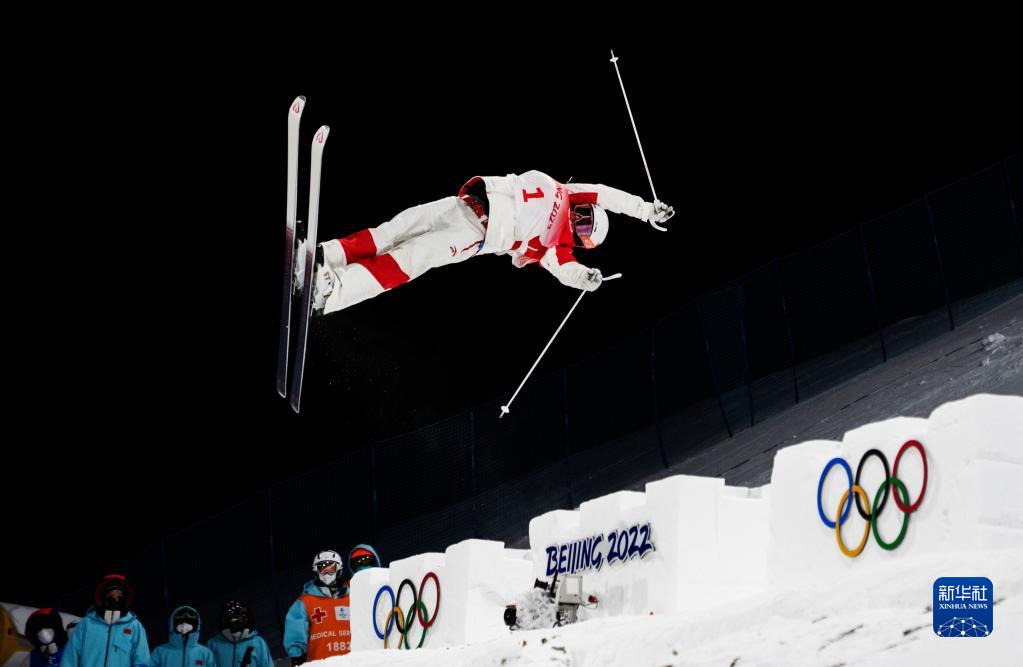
[147, 398]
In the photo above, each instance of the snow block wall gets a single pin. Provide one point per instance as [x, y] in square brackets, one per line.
[973, 500]
[685, 543]
[474, 581]
[690, 543]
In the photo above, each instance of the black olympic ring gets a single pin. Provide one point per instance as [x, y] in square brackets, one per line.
[887, 473]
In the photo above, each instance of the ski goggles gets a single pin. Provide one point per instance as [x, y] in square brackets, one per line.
[362, 561]
[189, 615]
[581, 217]
[327, 566]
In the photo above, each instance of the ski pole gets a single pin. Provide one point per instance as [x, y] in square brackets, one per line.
[505, 409]
[614, 61]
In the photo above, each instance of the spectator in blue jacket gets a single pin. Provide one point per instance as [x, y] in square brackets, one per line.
[238, 644]
[183, 648]
[45, 629]
[110, 635]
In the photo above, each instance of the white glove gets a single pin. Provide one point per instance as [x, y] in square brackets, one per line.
[574, 274]
[656, 212]
[590, 280]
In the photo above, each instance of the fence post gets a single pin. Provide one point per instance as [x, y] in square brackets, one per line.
[653, 396]
[941, 263]
[873, 291]
[273, 554]
[1012, 212]
[713, 368]
[472, 475]
[374, 528]
[166, 586]
[566, 436]
[788, 326]
[740, 302]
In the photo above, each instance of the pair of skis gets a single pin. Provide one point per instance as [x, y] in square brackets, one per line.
[306, 290]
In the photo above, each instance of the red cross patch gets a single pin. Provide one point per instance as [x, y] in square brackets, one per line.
[319, 615]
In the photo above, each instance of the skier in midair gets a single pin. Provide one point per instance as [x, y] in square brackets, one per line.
[531, 217]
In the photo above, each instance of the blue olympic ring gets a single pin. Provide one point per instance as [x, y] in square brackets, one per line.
[820, 487]
[393, 619]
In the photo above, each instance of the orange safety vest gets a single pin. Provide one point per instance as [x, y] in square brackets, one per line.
[330, 626]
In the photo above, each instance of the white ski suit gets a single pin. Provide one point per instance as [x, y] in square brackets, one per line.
[528, 218]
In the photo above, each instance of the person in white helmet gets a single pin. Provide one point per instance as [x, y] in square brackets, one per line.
[531, 217]
[318, 623]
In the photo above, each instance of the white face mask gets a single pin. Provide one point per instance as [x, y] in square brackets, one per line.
[184, 628]
[111, 617]
[328, 578]
[45, 636]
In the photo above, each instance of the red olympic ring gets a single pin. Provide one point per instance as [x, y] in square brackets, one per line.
[422, 609]
[895, 473]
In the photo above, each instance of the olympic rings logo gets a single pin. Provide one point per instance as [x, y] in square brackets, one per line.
[856, 492]
[402, 621]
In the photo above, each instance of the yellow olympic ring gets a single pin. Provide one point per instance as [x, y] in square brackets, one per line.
[387, 623]
[866, 524]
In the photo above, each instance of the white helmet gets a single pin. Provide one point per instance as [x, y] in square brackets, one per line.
[589, 224]
[321, 566]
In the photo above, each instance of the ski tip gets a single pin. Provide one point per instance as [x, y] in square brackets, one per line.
[321, 134]
[298, 105]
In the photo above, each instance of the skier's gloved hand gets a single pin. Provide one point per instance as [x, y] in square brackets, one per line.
[662, 212]
[297, 660]
[577, 276]
[591, 280]
[656, 211]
